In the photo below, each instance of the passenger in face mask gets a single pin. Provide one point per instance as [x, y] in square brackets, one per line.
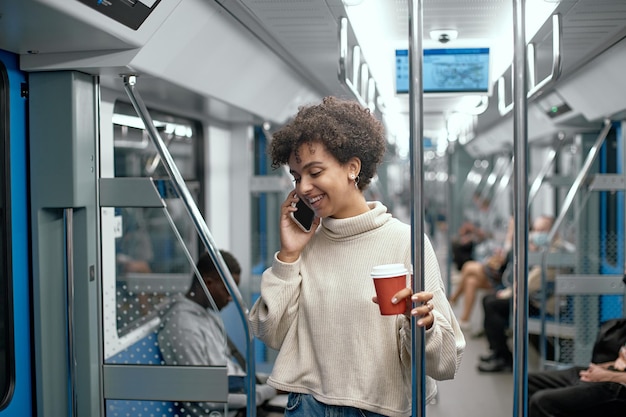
[497, 306]
[538, 237]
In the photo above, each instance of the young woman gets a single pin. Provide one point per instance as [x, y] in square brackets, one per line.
[317, 304]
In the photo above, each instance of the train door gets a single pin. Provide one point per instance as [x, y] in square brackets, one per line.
[149, 247]
[15, 368]
[95, 329]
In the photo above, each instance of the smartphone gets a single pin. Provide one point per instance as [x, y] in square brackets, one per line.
[304, 216]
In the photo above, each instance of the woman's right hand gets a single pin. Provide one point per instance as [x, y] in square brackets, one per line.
[292, 238]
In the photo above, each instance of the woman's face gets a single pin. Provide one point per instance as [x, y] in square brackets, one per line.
[323, 183]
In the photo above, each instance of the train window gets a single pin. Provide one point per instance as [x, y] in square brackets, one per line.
[136, 156]
[152, 244]
[6, 343]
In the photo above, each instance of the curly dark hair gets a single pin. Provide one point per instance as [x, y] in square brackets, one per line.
[344, 127]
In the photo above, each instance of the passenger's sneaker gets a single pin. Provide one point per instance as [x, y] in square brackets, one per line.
[496, 365]
[488, 357]
[478, 334]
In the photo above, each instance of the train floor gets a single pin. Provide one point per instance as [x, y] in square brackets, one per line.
[473, 393]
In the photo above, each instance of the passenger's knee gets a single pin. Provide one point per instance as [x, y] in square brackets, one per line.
[469, 267]
[472, 282]
[539, 404]
[488, 301]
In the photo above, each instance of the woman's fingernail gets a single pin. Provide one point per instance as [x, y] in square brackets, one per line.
[394, 300]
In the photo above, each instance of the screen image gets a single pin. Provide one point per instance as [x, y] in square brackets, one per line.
[402, 71]
[462, 70]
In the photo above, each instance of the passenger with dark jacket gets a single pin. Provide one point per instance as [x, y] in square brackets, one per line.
[597, 390]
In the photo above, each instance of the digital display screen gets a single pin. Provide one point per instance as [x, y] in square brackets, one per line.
[460, 70]
[131, 13]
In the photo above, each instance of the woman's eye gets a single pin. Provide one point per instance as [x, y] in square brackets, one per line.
[315, 174]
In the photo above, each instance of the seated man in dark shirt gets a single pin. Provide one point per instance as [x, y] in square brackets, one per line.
[598, 390]
[193, 334]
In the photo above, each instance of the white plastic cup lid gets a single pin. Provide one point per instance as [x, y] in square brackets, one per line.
[390, 270]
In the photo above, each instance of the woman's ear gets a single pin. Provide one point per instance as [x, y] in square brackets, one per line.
[354, 166]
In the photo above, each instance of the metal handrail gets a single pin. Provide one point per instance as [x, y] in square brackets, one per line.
[203, 232]
[557, 46]
[574, 190]
[499, 169]
[538, 181]
[502, 184]
[68, 219]
[373, 99]
[569, 199]
[343, 61]
[580, 179]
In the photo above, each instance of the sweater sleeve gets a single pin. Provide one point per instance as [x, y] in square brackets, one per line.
[263, 393]
[274, 312]
[444, 341]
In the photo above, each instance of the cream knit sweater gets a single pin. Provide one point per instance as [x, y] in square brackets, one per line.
[332, 341]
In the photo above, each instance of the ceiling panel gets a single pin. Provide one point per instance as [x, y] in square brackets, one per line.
[308, 31]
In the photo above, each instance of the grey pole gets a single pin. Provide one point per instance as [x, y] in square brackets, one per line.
[520, 203]
[417, 202]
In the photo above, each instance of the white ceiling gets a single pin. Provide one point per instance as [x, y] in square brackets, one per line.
[305, 32]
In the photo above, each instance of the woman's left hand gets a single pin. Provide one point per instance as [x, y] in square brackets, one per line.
[423, 309]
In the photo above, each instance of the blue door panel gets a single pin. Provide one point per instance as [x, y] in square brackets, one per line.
[20, 403]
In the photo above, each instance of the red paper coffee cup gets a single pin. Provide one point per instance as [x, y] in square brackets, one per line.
[388, 280]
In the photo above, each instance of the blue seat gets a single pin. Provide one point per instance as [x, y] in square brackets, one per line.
[143, 352]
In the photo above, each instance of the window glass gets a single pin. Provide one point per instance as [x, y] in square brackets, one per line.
[152, 245]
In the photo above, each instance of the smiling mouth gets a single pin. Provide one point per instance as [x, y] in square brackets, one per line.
[314, 200]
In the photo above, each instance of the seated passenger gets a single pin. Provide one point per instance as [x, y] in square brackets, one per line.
[497, 306]
[193, 334]
[485, 274]
[599, 389]
[471, 234]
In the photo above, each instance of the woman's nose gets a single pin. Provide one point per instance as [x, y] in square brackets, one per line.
[304, 186]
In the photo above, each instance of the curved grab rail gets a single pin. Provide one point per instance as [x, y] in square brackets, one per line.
[503, 108]
[361, 77]
[580, 179]
[202, 229]
[538, 181]
[502, 185]
[557, 45]
[343, 61]
[567, 203]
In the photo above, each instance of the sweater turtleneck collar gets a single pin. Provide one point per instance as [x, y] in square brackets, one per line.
[352, 226]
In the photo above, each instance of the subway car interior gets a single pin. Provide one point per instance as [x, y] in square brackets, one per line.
[135, 135]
